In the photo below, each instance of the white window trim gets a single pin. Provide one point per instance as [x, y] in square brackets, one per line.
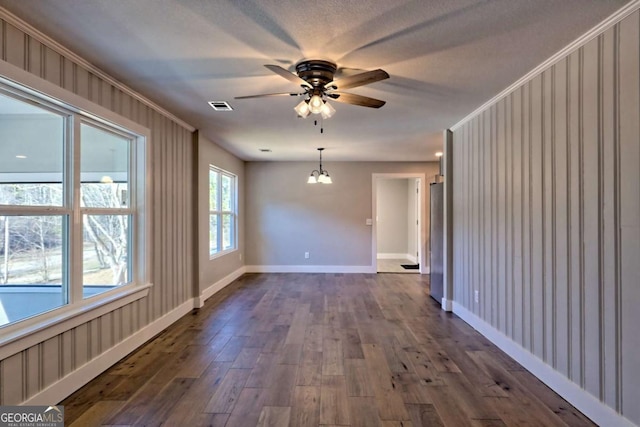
[234, 213]
[26, 333]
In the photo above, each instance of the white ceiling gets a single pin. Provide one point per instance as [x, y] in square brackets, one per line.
[445, 58]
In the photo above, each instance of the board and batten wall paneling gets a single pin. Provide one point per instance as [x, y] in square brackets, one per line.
[547, 216]
[172, 159]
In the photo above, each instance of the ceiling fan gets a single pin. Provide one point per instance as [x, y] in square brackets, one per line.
[316, 79]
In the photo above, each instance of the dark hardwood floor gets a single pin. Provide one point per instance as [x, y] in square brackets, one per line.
[319, 349]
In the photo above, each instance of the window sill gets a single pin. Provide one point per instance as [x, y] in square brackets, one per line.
[223, 253]
[22, 335]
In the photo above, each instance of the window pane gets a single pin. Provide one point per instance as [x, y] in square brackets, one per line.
[31, 154]
[105, 253]
[213, 190]
[227, 232]
[31, 266]
[227, 201]
[213, 234]
[104, 168]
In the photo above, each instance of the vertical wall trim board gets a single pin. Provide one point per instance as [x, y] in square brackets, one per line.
[495, 217]
[510, 140]
[581, 210]
[25, 374]
[601, 177]
[530, 216]
[569, 252]
[543, 216]
[3, 28]
[554, 272]
[522, 213]
[616, 203]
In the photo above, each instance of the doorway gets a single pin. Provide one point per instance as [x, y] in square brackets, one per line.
[398, 230]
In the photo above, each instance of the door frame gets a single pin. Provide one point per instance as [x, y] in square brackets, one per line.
[421, 215]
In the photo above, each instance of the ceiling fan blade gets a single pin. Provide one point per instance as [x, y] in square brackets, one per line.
[287, 75]
[350, 98]
[265, 95]
[358, 80]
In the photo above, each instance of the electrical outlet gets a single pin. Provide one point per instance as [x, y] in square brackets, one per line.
[240, 257]
[306, 255]
[476, 295]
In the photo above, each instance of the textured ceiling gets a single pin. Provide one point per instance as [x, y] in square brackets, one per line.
[445, 58]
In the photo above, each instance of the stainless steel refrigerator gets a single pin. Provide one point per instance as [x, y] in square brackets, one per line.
[436, 241]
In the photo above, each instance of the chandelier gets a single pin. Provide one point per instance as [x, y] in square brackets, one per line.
[319, 175]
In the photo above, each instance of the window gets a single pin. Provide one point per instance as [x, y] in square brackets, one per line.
[222, 211]
[71, 207]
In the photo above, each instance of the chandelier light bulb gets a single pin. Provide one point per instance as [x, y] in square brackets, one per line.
[327, 111]
[315, 104]
[302, 109]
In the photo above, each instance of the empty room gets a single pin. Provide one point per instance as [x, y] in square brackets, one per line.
[280, 213]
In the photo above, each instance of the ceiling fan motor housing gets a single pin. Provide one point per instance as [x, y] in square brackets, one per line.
[316, 72]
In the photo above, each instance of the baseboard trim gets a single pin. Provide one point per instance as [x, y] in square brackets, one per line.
[447, 305]
[588, 404]
[198, 302]
[310, 269]
[393, 256]
[65, 386]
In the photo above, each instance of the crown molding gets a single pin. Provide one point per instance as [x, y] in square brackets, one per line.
[609, 22]
[8, 17]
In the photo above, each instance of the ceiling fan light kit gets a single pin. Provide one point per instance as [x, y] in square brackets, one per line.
[316, 77]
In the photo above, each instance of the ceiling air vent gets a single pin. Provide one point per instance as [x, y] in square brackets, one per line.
[220, 106]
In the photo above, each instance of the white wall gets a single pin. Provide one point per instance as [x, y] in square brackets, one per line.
[211, 271]
[547, 223]
[285, 216]
[392, 205]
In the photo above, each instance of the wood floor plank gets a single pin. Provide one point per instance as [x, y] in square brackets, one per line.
[159, 409]
[298, 326]
[225, 397]
[357, 378]
[309, 374]
[364, 412]
[247, 358]
[424, 415]
[351, 344]
[334, 407]
[274, 416]
[282, 384]
[195, 400]
[470, 399]
[261, 372]
[290, 354]
[332, 359]
[305, 408]
[388, 399]
[98, 413]
[248, 408]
